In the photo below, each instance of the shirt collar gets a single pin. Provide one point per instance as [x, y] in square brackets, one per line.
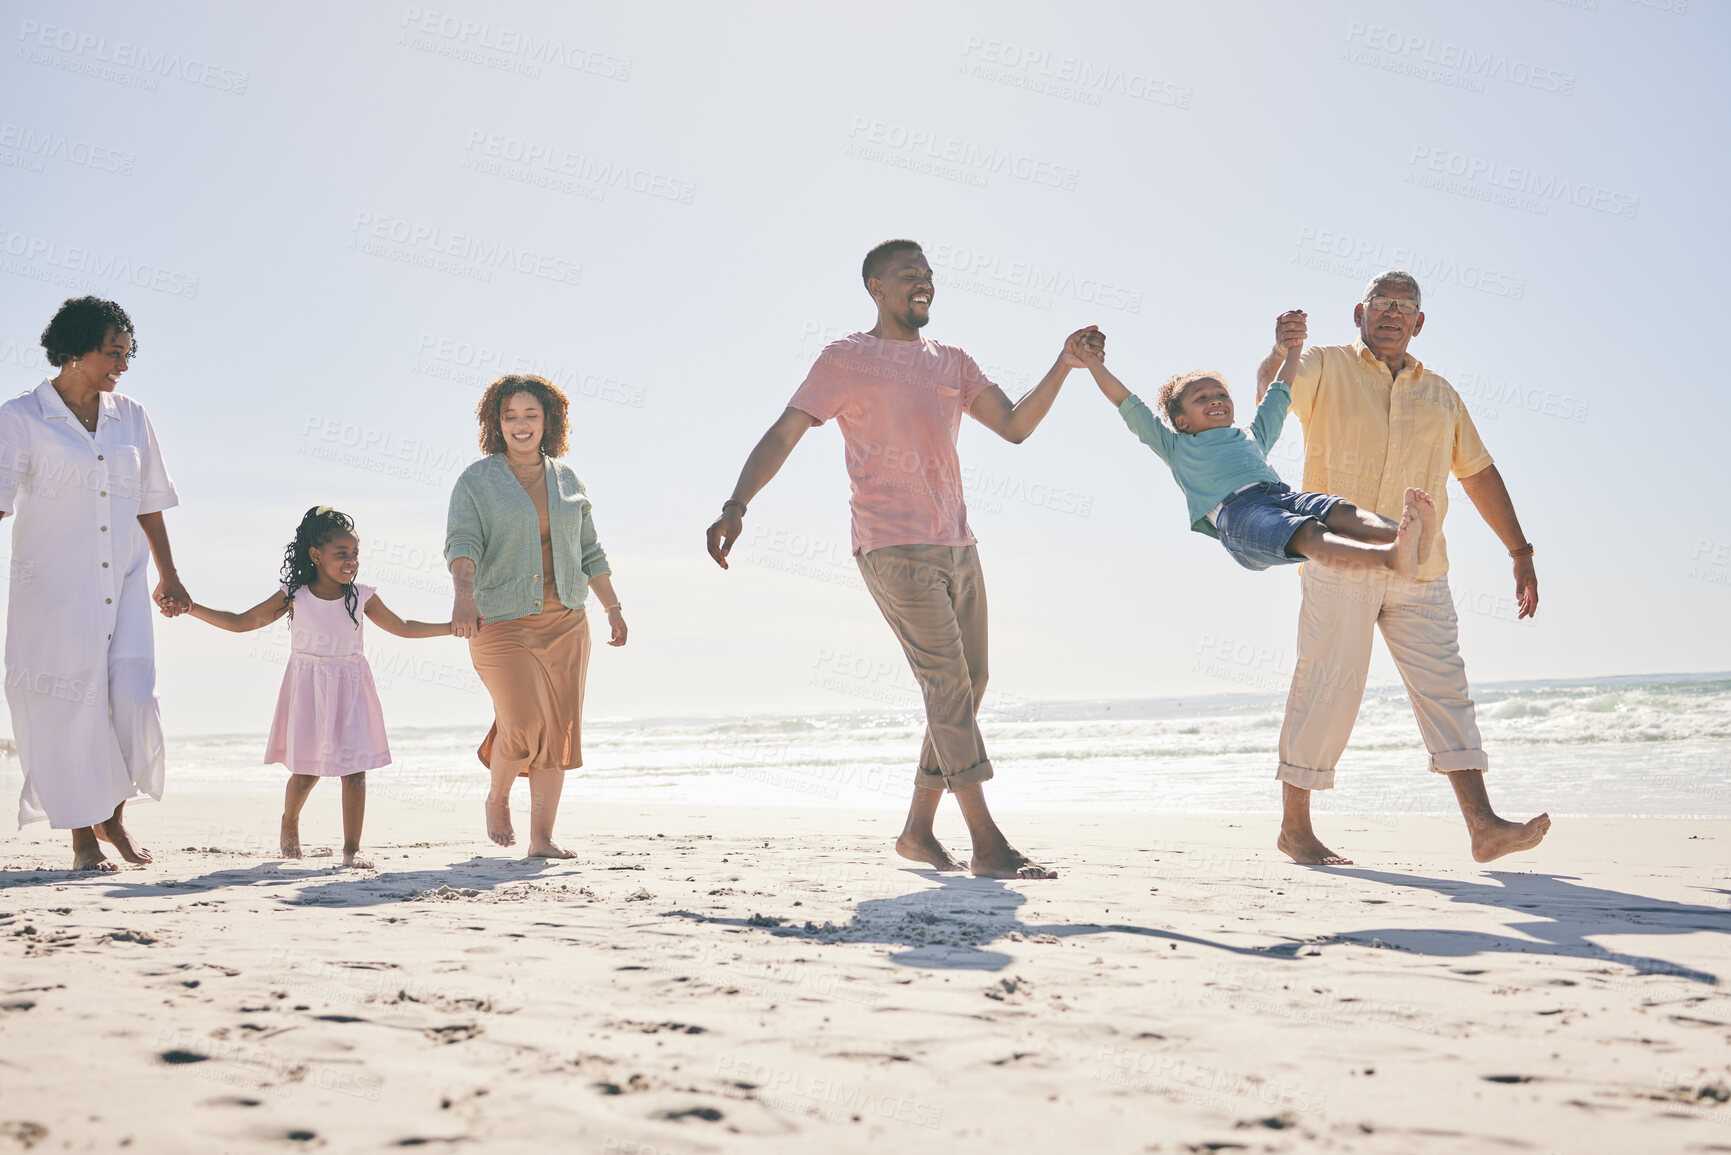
[52, 404]
[1413, 364]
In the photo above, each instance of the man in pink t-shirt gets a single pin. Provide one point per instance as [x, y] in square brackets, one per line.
[899, 400]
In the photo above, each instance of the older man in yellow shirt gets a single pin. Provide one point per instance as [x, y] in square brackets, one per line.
[1376, 421]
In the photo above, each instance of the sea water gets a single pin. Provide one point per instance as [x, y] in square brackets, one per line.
[1603, 747]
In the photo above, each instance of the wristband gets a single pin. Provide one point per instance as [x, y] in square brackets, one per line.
[612, 609]
[733, 501]
[1523, 551]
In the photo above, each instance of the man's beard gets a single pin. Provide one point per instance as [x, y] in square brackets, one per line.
[915, 320]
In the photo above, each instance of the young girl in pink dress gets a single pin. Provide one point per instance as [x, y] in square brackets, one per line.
[328, 722]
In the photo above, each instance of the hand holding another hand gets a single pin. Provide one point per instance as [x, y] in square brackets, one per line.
[1084, 347]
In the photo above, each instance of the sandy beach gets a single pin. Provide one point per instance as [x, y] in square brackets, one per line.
[772, 981]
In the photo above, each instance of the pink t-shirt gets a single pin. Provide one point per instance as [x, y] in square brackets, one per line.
[899, 405]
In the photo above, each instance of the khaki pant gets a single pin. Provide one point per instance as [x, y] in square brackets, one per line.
[934, 598]
[1335, 624]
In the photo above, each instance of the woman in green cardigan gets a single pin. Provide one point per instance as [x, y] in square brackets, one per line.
[521, 545]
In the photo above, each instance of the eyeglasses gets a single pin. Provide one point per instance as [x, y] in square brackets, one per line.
[1402, 305]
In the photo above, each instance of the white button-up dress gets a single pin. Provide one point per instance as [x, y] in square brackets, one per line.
[80, 654]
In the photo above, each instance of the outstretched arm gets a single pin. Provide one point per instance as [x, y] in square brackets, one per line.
[1014, 423]
[256, 618]
[766, 460]
[381, 616]
[1491, 497]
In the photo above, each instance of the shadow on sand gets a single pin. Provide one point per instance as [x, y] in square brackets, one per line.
[1556, 916]
[947, 928]
[333, 886]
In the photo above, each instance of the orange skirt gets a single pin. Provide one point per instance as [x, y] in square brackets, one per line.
[534, 668]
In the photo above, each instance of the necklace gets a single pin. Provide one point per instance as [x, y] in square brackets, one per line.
[521, 469]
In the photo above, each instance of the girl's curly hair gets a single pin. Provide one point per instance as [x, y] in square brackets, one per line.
[320, 524]
[81, 325]
[555, 410]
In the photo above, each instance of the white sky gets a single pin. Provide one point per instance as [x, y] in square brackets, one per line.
[1177, 173]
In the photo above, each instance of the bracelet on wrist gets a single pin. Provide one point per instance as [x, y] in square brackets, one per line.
[733, 501]
[1523, 551]
[612, 609]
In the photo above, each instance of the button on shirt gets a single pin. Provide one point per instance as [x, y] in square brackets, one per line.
[1369, 434]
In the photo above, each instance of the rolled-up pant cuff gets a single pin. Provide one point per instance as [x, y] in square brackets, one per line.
[1304, 778]
[1451, 761]
[931, 779]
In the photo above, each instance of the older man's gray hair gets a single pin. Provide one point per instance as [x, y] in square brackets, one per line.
[1395, 277]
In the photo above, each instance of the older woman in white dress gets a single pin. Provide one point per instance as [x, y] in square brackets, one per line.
[84, 485]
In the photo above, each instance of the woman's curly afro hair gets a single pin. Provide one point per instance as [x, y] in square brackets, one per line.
[81, 325]
[555, 409]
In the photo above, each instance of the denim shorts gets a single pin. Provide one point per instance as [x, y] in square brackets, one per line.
[1256, 525]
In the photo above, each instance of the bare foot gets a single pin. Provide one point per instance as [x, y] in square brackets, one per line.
[291, 838]
[1403, 558]
[353, 861]
[499, 823]
[1494, 837]
[114, 833]
[94, 860]
[1426, 506]
[1307, 850]
[548, 850]
[929, 851]
[1008, 862]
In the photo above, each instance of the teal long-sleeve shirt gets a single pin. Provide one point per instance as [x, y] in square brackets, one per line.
[1209, 465]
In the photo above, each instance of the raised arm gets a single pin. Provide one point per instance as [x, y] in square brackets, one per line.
[1014, 423]
[1290, 332]
[256, 618]
[1115, 390]
[381, 616]
[1490, 495]
[767, 458]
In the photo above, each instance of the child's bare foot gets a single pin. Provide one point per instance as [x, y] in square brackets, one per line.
[1426, 506]
[499, 823]
[114, 833]
[1307, 850]
[1494, 837]
[548, 849]
[929, 851]
[1007, 862]
[291, 837]
[353, 861]
[1403, 556]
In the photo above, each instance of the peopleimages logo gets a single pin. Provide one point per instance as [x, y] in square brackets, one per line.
[968, 156]
[1399, 51]
[462, 254]
[152, 62]
[513, 43]
[1487, 177]
[985, 270]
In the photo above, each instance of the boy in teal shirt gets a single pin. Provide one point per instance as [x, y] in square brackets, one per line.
[1236, 496]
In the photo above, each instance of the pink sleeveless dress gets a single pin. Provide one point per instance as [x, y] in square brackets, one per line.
[328, 719]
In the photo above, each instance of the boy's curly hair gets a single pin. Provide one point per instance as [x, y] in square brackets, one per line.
[1170, 399]
[555, 412]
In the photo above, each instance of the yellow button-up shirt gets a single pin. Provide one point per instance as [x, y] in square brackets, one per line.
[1368, 435]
